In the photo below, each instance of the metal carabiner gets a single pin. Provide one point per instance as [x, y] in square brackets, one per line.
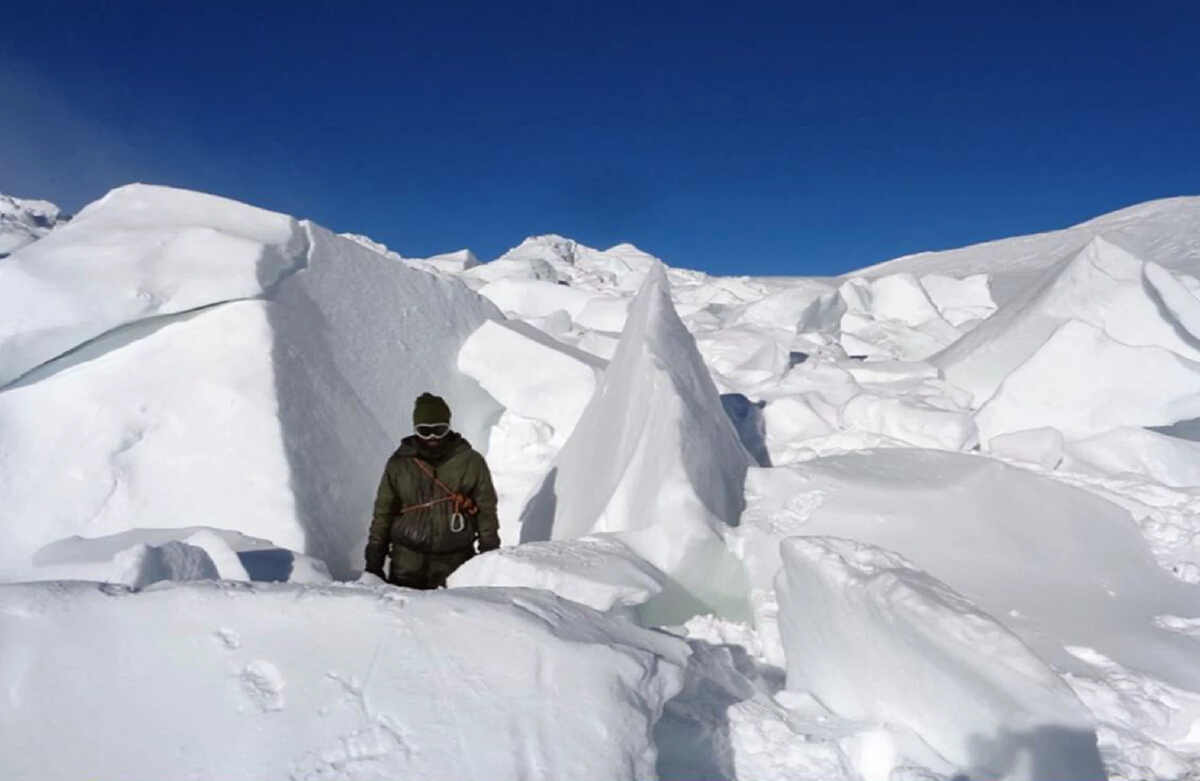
[457, 522]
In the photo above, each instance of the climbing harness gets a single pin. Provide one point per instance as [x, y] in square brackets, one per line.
[462, 504]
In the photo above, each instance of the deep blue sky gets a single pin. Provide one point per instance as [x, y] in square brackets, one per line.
[794, 138]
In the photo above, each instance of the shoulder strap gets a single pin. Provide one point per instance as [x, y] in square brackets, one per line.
[462, 503]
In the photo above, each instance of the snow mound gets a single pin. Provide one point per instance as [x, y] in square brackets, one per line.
[655, 460]
[598, 572]
[272, 415]
[448, 262]
[531, 374]
[325, 683]
[1102, 286]
[874, 638]
[1057, 565]
[23, 221]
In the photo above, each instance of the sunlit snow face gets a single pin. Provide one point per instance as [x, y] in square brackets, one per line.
[432, 431]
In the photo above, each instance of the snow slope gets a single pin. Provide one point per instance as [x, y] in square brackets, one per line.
[1165, 231]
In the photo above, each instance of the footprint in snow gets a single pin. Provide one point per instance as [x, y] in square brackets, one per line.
[263, 684]
[229, 639]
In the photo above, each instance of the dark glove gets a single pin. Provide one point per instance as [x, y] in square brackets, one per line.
[375, 558]
[488, 543]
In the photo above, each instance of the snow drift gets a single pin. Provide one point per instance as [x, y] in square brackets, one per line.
[655, 460]
[191, 361]
[220, 681]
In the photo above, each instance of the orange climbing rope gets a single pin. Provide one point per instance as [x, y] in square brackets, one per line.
[462, 504]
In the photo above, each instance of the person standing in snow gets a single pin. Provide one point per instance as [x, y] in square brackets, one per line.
[435, 503]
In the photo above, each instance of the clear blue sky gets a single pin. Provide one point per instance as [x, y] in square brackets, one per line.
[790, 138]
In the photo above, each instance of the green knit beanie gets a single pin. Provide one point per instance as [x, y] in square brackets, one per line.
[430, 409]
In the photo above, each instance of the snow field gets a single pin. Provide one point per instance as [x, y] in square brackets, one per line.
[622, 405]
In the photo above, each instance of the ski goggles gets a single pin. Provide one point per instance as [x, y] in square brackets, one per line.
[432, 430]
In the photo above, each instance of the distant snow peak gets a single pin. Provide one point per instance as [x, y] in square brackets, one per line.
[24, 221]
[551, 257]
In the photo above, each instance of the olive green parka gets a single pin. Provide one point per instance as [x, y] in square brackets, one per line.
[428, 530]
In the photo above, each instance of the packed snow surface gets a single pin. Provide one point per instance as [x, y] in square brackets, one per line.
[225, 681]
[937, 519]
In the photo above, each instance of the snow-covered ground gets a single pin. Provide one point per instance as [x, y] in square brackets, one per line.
[936, 519]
